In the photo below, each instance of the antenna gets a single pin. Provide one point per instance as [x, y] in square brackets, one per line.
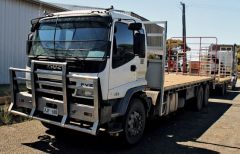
[45, 13]
[111, 8]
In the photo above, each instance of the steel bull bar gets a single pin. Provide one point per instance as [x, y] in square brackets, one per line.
[34, 102]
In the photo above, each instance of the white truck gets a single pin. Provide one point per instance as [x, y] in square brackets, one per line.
[88, 71]
[225, 61]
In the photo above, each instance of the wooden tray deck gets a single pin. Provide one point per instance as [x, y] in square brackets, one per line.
[173, 81]
[223, 79]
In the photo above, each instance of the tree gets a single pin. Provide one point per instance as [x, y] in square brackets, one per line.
[238, 58]
[174, 43]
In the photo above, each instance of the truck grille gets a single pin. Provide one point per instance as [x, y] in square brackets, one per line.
[72, 99]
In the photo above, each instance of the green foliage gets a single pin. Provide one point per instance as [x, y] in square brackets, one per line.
[5, 117]
[238, 59]
[152, 56]
[174, 43]
[238, 55]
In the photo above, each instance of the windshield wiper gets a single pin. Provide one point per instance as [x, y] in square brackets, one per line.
[76, 58]
[88, 58]
[38, 56]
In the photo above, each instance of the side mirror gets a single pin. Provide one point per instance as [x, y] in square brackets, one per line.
[139, 45]
[29, 43]
[135, 26]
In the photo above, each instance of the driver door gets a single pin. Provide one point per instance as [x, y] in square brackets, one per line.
[123, 61]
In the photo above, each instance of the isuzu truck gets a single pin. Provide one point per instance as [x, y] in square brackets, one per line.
[89, 71]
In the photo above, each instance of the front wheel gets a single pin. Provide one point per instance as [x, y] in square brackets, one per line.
[134, 123]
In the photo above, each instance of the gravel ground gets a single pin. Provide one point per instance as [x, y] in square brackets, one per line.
[213, 130]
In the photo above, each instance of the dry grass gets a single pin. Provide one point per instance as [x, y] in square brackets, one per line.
[5, 99]
[5, 117]
[5, 89]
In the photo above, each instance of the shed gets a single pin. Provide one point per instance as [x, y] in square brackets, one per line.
[15, 24]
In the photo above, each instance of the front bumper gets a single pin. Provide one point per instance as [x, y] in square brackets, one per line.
[67, 110]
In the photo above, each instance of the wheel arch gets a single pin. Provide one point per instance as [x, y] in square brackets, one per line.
[144, 99]
[136, 92]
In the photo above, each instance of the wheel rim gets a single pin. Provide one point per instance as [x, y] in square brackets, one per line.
[134, 124]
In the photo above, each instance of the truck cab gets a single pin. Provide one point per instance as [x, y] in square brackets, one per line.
[95, 44]
[86, 71]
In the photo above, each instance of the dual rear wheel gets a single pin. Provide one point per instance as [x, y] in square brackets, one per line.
[202, 97]
[223, 89]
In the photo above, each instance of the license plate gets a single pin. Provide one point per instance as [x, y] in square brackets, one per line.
[50, 111]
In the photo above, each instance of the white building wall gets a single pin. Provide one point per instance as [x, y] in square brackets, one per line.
[15, 17]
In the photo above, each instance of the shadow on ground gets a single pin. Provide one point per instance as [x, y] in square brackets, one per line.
[161, 135]
[231, 94]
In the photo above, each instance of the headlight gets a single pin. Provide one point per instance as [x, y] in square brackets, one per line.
[85, 92]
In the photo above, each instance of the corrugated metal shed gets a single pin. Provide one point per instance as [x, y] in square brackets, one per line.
[15, 18]
[75, 7]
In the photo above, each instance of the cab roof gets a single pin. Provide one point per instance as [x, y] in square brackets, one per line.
[115, 14]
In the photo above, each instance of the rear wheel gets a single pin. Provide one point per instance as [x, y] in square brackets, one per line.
[199, 99]
[134, 123]
[233, 83]
[206, 95]
[224, 89]
[233, 87]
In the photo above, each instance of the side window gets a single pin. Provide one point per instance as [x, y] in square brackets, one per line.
[122, 45]
[139, 43]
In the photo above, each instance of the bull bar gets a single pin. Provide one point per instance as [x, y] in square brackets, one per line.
[66, 108]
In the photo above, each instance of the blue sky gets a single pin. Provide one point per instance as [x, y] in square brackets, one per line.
[218, 18]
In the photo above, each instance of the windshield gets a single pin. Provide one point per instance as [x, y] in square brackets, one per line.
[79, 37]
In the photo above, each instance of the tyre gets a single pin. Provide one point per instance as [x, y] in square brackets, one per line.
[199, 99]
[233, 87]
[134, 122]
[206, 95]
[234, 83]
[223, 89]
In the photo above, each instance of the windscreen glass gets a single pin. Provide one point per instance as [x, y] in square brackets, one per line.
[81, 37]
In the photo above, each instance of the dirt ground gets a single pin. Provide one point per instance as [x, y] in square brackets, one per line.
[215, 129]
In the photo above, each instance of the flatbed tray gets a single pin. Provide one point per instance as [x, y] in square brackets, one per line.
[223, 79]
[174, 81]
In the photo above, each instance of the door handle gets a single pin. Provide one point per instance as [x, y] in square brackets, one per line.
[133, 68]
